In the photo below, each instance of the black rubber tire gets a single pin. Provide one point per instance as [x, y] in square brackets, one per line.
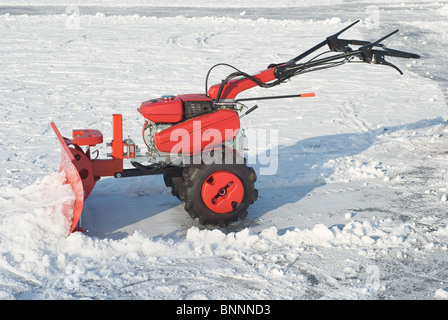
[175, 182]
[194, 177]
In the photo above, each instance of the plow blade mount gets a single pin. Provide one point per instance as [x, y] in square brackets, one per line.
[82, 172]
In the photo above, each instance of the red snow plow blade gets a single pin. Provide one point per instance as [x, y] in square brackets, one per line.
[73, 177]
[81, 171]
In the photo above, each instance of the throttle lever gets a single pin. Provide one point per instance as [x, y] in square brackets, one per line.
[379, 59]
[366, 50]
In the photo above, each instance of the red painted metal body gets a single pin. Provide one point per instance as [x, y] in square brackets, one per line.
[194, 135]
[169, 110]
[87, 137]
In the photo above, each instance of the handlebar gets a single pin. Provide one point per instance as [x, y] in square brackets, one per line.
[366, 52]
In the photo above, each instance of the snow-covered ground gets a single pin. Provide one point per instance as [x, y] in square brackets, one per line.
[356, 210]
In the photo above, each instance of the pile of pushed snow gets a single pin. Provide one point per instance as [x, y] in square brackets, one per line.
[36, 211]
[376, 234]
[31, 224]
[441, 293]
[351, 169]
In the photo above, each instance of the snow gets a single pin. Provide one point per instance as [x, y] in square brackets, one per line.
[174, 3]
[356, 209]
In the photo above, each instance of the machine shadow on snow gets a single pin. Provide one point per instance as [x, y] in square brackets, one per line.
[120, 203]
[301, 166]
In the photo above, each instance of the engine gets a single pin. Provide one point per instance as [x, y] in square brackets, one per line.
[150, 129]
[185, 125]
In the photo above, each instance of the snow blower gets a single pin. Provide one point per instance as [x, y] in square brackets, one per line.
[193, 140]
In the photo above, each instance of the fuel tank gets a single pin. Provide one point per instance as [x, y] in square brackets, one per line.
[166, 109]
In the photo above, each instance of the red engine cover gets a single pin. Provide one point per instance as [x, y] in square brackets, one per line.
[194, 135]
[163, 110]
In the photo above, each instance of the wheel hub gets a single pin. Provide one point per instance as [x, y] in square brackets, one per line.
[222, 191]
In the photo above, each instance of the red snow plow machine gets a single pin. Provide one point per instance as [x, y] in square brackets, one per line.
[194, 140]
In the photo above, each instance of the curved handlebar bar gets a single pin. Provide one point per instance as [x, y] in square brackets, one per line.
[366, 52]
[369, 52]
